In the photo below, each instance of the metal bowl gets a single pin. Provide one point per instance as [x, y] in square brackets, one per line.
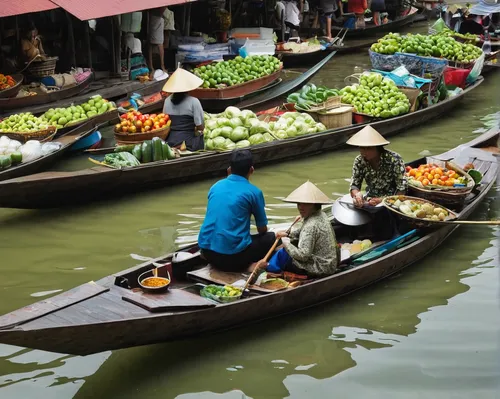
[344, 211]
[149, 274]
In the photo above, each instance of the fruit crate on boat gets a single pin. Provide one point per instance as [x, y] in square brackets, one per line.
[238, 90]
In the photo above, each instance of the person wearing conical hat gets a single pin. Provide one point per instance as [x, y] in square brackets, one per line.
[382, 170]
[310, 249]
[185, 111]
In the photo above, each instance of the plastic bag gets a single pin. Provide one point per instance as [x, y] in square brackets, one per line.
[476, 70]
[31, 150]
[50, 147]
[439, 25]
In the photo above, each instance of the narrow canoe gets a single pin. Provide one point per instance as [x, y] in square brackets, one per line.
[373, 30]
[54, 189]
[109, 315]
[23, 104]
[67, 140]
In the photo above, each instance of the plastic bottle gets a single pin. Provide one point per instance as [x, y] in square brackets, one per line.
[487, 43]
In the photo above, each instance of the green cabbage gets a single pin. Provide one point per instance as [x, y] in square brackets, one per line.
[291, 115]
[209, 145]
[226, 132]
[309, 119]
[235, 122]
[268, 137]
[271, 125]
[242, 144]
[320, 127]
[214, 133]
[256, 139]
[229, 145]
[291, 131]
[219, 142]
[222, 122]
[281, 134]
[258, 127]
[239, 133]
[211, 124]
[246, 115]
[232, 112]
[301, 127]
[311, 130]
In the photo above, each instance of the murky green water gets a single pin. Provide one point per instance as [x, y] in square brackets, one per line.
[432, 331]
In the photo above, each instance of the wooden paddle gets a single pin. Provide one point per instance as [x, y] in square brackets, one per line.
[268, 255]
[478, 222]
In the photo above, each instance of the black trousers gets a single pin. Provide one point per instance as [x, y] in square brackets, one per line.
[261, 244]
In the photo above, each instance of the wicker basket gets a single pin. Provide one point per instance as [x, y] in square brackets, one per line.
[413, 221]
[330, 103]
[40, 69]
[136, 138]
[41, 135]
[336, 117]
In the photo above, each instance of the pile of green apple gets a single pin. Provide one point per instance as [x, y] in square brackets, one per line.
[376, 96]
[61, 117]
[23, 123]
[440, 45]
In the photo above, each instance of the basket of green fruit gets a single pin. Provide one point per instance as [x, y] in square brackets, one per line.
[221, 294]
[26, 126]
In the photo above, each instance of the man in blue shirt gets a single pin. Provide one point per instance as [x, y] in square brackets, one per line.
[224, 238]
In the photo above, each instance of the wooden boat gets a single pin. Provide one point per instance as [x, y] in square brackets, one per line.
[92, 141]
[256, 100]
[291, 59]
[20, 104]
[372, 30]
[112, 313]
[67, 140]
[53, 189]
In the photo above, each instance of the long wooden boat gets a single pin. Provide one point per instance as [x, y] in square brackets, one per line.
[54, 189]
[22, 104]
[256, 100]
[373, 30]
[113, 314]
[67, 140]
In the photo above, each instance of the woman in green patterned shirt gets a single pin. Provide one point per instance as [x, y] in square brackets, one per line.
[381, 169]
[310, 249]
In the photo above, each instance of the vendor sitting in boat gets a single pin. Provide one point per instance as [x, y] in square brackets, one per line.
[381, 169]
[185, 111]
[31, 44]
[312, 248]
[224, 238]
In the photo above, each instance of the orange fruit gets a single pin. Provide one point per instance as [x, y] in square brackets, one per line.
[435, 181]
[444, 178]
[418, 174]
[425, 182]
[455, 176]
[427, 170]
[449, 183]
[439, 171]
[420, 178]
[413, 172]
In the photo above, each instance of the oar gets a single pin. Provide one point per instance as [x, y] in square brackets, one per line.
[269, 253]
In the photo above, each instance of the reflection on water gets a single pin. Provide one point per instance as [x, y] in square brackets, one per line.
[429, 331]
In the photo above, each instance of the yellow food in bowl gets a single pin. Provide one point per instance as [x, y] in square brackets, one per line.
[155, 282]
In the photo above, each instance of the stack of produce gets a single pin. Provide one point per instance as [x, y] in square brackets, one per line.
[6, 82]
[304, 47]
[134, 154]
[135, 122]
[468, 37]
[356, 246]
[240, 70]
[376, 96]
[419, 210]
[12, 152]
[24, 123]
[61, 117]
[439, 45]
[238, 129]
[432, 176]
[311, 96]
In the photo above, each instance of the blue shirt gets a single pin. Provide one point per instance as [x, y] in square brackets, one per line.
[231, 203]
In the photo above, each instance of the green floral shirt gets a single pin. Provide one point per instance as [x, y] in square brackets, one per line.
[313, 246]
[388, 179]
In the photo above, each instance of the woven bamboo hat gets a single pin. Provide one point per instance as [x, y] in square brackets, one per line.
[182, 81]
[308, 193]
[367, 137]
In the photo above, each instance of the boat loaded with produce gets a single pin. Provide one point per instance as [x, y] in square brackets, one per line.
[178, 295]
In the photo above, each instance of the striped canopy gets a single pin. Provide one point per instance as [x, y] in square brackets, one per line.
[485, 8]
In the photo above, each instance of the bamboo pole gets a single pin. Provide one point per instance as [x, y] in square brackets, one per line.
[71, 39]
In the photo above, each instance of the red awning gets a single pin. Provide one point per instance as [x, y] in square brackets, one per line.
[13, 7]
[92, 9]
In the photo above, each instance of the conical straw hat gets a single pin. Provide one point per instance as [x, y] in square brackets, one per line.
[308, 193]
[182, 81]
[367, 137]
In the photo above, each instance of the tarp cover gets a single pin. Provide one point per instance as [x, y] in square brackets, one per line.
[483, 8]
[17, 7]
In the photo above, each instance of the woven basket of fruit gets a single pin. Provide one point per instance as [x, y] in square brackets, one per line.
[40, 135]
[418, 212]
[136, 127]
[10, 85]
